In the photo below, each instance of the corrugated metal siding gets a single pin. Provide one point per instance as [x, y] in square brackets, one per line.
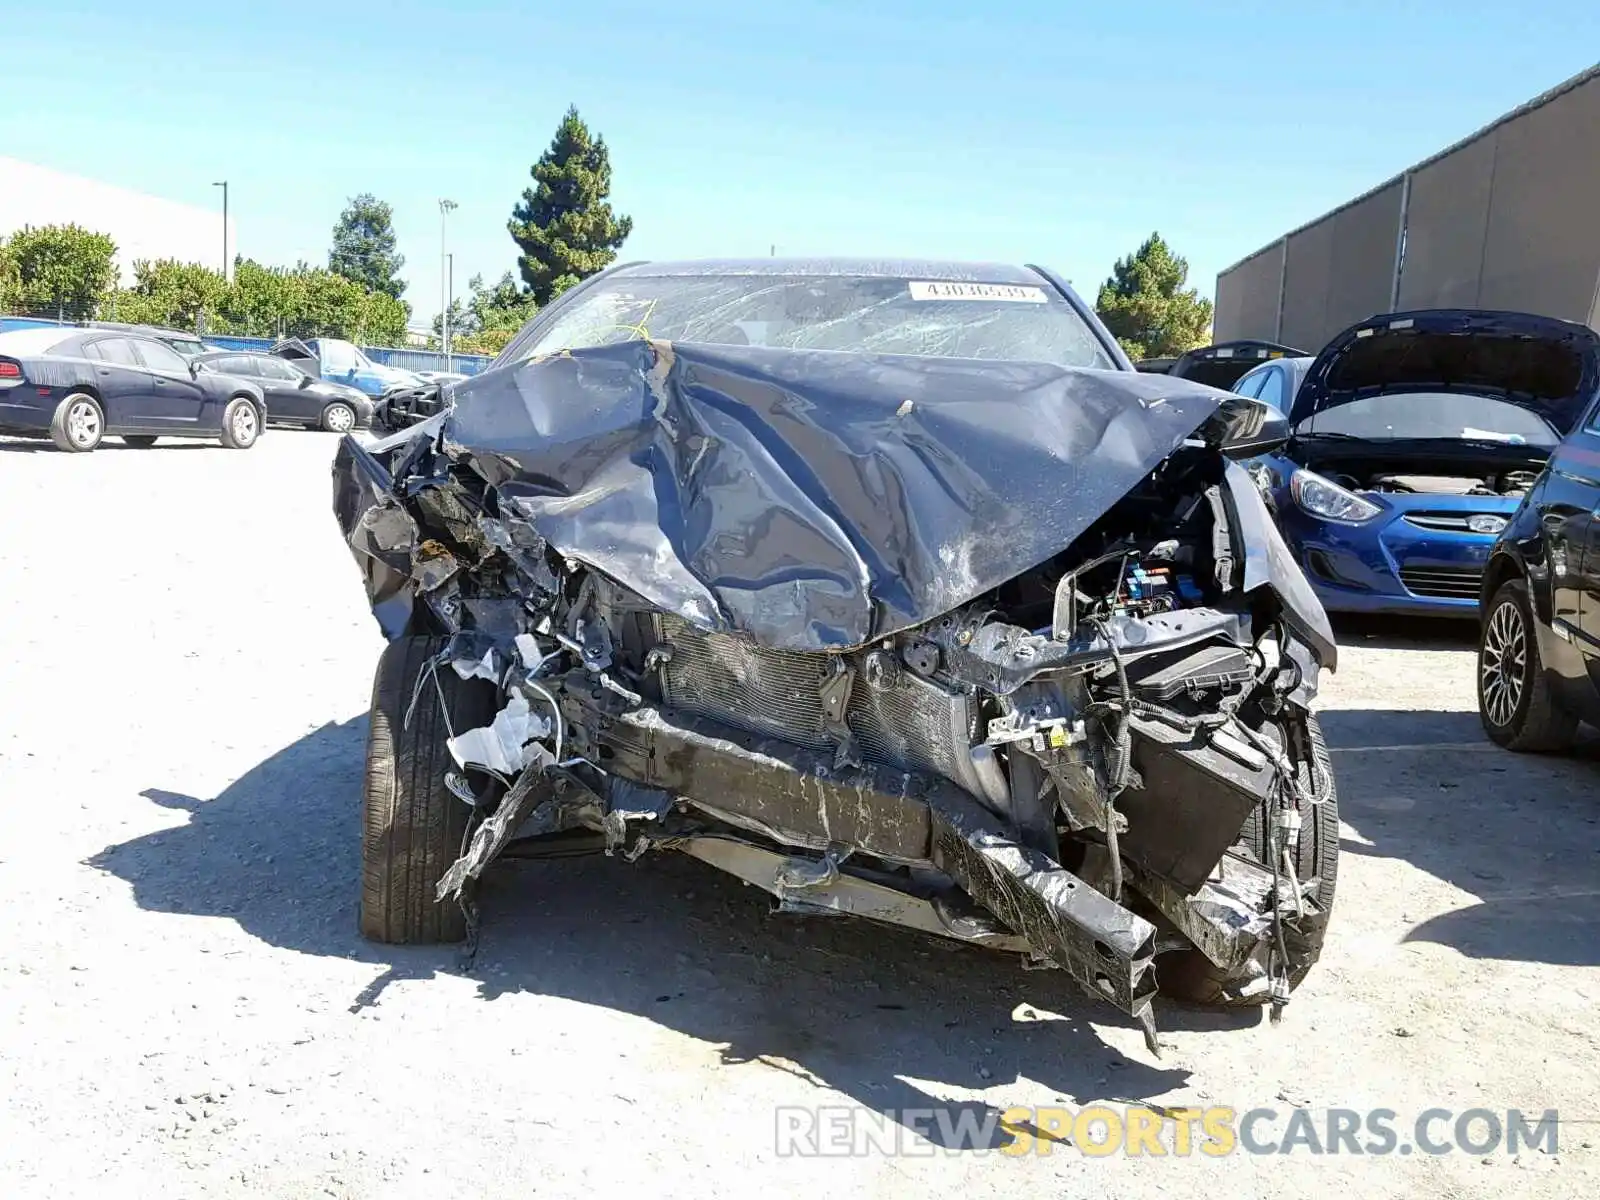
[1247, 299]
[1362, 269]
[1305, 289]
[1542, 246]
[1504, 218]
[1445, 226]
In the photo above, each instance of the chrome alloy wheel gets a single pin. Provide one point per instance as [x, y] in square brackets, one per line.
[83, 424]
[243, 424]
[1503, 663]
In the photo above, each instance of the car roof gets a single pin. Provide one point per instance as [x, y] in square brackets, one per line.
[1299, 362]
[154, 331]
[886, 268]
[36, 341]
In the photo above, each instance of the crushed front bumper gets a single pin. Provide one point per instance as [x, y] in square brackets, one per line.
[799, 798]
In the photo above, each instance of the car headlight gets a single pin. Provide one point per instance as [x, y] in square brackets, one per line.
[1486, 523]
[1323, 498]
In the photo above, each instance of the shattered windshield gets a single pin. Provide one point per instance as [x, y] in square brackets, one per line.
[870, 314]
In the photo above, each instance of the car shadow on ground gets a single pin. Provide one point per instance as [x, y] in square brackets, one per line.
[1520, 832]
[862, 1008]
[1370, 632]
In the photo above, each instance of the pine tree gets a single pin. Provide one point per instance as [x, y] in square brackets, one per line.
[364, 246]
[564, 225]
[1146, 306]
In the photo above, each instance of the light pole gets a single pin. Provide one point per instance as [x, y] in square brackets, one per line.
[223, 184]
[450, 293]
[444, 280]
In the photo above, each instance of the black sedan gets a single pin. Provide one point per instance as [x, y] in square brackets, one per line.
[74, 386]
[293, 397]
[1539, 607]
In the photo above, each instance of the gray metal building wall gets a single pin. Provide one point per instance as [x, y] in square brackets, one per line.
[1507, 218]
[1445, 222]
[1247, 296]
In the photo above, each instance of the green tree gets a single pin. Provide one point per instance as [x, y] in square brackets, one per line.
[179, 294]
[264, 301]
[364, 246]
[61, 270]
[489, 318]
[460, 323]
[564, 225]
[10, 279]
[299, 301]
[1146, 306]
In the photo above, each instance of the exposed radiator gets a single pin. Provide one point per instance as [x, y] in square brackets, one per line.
[914, 725]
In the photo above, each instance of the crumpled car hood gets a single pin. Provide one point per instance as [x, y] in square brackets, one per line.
[810, 499]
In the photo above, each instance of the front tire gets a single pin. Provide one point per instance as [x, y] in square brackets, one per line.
[78, 424]
[413, 826]
[338, 417]
[1516, 704]
[241, 424]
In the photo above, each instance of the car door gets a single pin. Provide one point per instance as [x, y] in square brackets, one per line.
[178, 399]
[287, 398]
[124, 384]
[342, 364]
[1570, 517]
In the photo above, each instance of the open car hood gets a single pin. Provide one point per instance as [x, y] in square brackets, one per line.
[810, 499]
[300, 354]
[1546, 366]
[1222, 364]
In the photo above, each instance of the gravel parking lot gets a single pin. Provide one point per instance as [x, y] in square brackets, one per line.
[186, 1008]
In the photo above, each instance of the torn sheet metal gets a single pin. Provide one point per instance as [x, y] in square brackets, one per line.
[843, 894]
[497, 830]
[1107, 949]
[792, 494]
[380, 532]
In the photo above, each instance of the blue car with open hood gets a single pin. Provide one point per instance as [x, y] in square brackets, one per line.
[1414, 437]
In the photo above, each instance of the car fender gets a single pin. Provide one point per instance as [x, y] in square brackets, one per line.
[222, 389]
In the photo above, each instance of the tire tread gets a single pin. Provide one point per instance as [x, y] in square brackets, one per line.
[1541, 725]
[412, 824]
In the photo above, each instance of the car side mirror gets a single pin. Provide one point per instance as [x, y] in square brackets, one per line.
[194, 369]
[305, 381]
[1244, 428]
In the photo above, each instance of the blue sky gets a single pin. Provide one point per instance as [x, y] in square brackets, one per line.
[1032, 130]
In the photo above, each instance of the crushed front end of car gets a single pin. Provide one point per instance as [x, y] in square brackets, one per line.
[1008, 653]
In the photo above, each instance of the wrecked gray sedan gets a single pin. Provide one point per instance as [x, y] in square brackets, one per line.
[889, 588]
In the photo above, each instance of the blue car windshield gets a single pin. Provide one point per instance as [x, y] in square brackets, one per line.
[1432, 416]
[868, 314]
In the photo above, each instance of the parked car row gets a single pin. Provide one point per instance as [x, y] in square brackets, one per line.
[293, 397]
[75, 386]
[1447, 462]
[140, 383]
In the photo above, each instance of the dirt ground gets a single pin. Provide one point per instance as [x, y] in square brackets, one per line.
[186, 1008]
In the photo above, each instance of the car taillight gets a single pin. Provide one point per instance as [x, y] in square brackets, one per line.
[10, 370]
